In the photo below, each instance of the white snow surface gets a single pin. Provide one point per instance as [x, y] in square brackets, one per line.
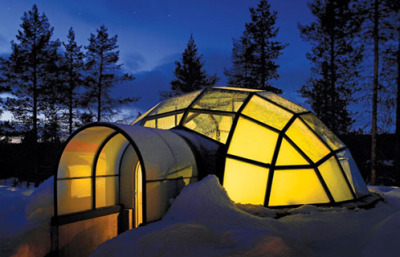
[25, 219]
[203, 221]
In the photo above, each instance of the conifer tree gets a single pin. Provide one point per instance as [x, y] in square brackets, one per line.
[254, 55]
[30, 70]
[72, 76]
[103, 73]
[189, 73]
[335, 61]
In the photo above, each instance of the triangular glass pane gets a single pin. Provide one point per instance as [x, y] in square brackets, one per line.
[253, 141]
[175, 103]
[335, 181]
[307, 141]
[221, 100]
[266, 112]
[283, 102]
[353, 174]
[323, 131]
[288, 155]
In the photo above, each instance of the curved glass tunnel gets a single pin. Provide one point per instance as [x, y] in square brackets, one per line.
[112, 177]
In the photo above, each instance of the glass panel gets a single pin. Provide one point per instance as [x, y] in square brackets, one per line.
[106, 191]
[167, 122]
[335, 181]
[245, 182]
[78, 155]
[283, 102]
[288, 155]
[74, 195]
[144, 115]
[221, 100]
[323, 131]
[353, 174]
[175, 103]
[150, 123]
[213, 126]
[267, 112]
[293, 187]
[306, 140]
[253, 141]
[240, 89]
[109, 159]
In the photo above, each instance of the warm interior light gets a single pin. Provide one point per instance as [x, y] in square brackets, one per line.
[245, 182]
[253, 141]
[293, 187]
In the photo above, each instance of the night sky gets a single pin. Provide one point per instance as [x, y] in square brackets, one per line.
[152, 34]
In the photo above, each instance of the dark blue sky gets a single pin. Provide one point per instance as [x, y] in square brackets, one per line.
[152, 34]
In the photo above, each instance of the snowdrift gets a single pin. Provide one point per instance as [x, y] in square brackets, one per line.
[203, 221]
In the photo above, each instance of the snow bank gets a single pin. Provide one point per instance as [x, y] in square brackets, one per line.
[203, 221]
[25, 220]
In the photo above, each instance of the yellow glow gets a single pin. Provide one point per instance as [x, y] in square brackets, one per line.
[244, 182]
[106, 191]
[292, 187]
[335, 181]
[107, 164]
[144, 115]
[283, 102]
[323, 131]
[175, 103]
[346, 167]
[266, 112]
[150, 124]
[221, 100]
[253, 141]
[289, 156]
[240, 89]
[138, 195]
[307, 141]
[74, 195]
[216, 127]
[166, 122]
[81, 187]
[74, 171]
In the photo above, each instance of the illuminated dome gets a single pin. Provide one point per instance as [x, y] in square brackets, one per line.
[275, 152]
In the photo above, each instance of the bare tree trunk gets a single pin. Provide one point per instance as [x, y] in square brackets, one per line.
[397, 133]
[375, 95]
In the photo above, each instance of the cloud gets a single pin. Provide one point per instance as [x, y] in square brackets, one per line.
[133, 62]
[4, 45]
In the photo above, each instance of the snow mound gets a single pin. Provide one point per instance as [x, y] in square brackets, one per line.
[203, 221]
[25, 220]
[40, 207]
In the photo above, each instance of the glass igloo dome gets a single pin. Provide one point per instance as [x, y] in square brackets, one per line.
[277, 153]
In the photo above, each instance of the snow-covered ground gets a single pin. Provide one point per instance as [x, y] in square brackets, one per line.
[202, 221]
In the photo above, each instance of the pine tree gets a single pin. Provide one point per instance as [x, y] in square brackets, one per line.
[4, 86]
[189, 73]
[29, 70]
[335, 59]
[103, 73]
[72, 76]
[254, 55]
[392, 67]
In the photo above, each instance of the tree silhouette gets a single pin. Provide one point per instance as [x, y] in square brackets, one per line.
[103, 73]
[254, 55]
[72, 67]
[335, 59]
[189, 73]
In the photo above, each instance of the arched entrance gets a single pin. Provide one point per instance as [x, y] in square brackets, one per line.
[113, 177]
